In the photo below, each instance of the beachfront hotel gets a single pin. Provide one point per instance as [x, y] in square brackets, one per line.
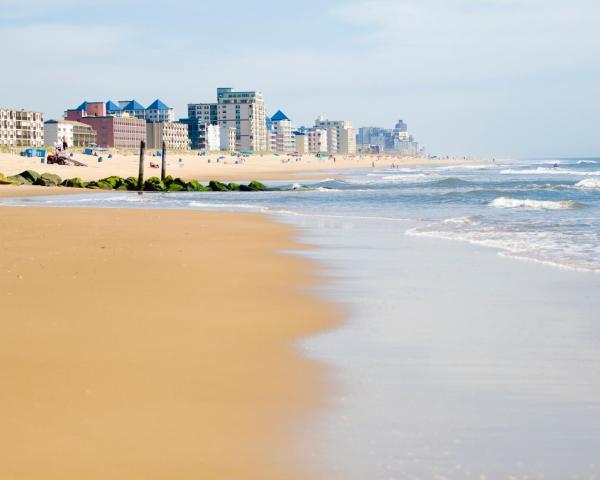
[21, 128]
[76, 134]
[341, 136]
[280, 134]
[174, 135]
[242, 111]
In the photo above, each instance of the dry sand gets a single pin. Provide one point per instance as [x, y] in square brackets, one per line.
[192, 166]
[153, 345]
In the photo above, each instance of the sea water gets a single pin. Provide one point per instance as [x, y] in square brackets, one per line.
[472, 342]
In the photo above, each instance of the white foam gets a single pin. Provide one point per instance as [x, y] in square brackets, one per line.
[546, 171]
[506, 202]
[462, 221]
[589, 183]
[584, 162]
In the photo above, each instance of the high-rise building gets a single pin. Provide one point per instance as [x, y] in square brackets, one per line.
[281, 129]
[341, 135]
[21, 128]
[160, 112]
[396, 140]
[245, 111]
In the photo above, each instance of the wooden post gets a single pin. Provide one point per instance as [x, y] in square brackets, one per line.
[163, 172]
[141, 174]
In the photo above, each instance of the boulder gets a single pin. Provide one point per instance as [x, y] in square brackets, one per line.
[73, 183]
[18, 180]
[168, 180]
[196, 186]
[131, 183]
[154, 184]
[245, 188]
[48, 180]
[175, 187]
[217, 186]
[30, 175]
[104, 185]
[114, 181]
[92, 185]
[257, 186]
[234, 187]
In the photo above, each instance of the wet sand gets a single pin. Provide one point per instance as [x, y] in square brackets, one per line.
[154, 344]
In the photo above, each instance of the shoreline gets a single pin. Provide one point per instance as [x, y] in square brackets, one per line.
[106, 381]
[194, 167]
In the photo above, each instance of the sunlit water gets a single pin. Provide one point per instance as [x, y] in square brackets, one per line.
[472, 347]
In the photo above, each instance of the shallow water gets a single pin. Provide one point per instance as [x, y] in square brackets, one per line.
[456, 362]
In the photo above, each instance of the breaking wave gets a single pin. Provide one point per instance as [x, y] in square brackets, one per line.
[506, 202]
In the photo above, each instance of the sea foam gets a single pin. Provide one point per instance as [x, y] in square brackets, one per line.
[589, 183]
[506, 202]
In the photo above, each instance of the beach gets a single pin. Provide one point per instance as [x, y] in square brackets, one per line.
[216, 166]
[140, 344]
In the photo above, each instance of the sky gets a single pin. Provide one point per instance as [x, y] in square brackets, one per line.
[504, 78]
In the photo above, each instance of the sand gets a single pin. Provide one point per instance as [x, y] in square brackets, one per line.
[192, 166]
[154, 344]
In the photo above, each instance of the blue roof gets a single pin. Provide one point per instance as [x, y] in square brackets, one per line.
[112, 106]
[158, 105]
[83, 106]
[279, 116]
[133, 105]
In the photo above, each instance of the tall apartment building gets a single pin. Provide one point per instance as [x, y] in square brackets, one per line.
[301, 142]
[244, 111]
[396, 140]
[318, 140]
[160, 112]
[281, 133]
[174, 134]
[345, 135]
[20, 128]
[77, 134]
[227, 138]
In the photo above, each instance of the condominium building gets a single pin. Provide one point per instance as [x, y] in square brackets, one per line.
[345, 135]
[396, 140]
[21, 128]
[301, 142]
[244, 111]
[317, 140]
[174, 134]
[76, 134]
[118, 132]
[281, 136]
[160, 112]
[227, 138]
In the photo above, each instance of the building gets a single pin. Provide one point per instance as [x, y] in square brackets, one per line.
[396, 140]
[206, 112]
[282, 139]
[76, 134]
[244, 111]
[342, 136]
[21, 128]
[58, 131]
[159, 112]
[134, 109]
[301, 142]
[317, 140]
[174, 134]
[227, 138]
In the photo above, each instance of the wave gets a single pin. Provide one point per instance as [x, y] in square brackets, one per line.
[585, 162]
[546, 171]
[589, 183]
[506, 202]
[451, 182]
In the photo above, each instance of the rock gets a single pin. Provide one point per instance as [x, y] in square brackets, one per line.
[245, 188]
[196, 186]
[48, 180]
[131, 183]
[217, 186]
[234, 187]
[18, 180]
[92, 185]
[175, 187]
[73, 183]
[154, 184]
[257, 186]
[104, 185]
[30, 175]
[168, 181]
[114, 181]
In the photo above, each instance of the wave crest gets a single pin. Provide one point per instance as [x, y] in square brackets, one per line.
[507, 202]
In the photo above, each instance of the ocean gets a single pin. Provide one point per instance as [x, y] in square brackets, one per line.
[472, 342]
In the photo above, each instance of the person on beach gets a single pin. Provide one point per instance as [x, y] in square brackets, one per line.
[64, 144]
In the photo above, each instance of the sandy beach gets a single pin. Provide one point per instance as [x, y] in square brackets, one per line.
[154, 344]
[204, 168]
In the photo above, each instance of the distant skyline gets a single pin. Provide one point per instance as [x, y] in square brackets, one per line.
[517, 78]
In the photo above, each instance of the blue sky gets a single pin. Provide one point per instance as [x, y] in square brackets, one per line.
[514, 78]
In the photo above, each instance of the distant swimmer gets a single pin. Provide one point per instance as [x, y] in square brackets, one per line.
[555, 165]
